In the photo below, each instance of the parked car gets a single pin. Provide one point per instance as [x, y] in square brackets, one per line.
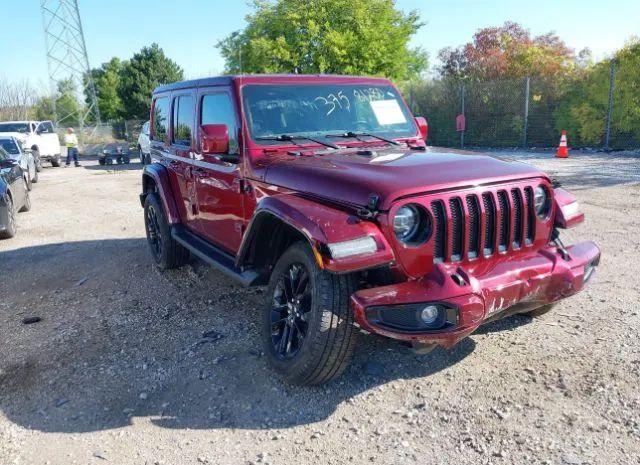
[14, 194]
[39, 136]
[323, 189]
[143, 144]
[118, 153]
[24, 157]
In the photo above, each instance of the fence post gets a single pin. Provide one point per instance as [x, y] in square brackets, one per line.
[462, 113]
[612, 83]
[526, 111]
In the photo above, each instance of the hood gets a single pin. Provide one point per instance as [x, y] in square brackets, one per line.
[18, 135]
[351, 175]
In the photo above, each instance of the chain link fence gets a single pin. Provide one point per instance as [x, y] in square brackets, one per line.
[599, 109]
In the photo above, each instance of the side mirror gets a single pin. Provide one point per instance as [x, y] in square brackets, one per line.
[423, 127]
[214, 139]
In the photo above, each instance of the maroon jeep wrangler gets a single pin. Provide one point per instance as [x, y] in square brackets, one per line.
[323, 189]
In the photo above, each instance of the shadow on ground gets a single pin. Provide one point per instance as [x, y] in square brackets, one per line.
[118, 340]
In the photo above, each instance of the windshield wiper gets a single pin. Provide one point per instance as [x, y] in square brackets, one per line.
[290, 138]
[358, 135]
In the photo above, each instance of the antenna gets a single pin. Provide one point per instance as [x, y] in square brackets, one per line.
[68, 61]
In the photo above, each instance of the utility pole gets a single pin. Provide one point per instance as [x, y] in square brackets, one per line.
[68, 62]
[612, 85]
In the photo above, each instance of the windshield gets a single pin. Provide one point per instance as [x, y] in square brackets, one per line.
[325, 109]
[14, 127]
[10, 146]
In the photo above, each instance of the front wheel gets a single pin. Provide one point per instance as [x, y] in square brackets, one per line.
[11, 227]
[26, 206]
[166, 252]
[308, 328]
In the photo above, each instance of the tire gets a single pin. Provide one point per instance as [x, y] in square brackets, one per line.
[126, 160]
[55, 162]
[166, 252]
[35, 175]
[27, 200]
[317, 323]
[142, 156]
[38, 160]
[540, 311]
[102, 161]
[12, 226]
[28, 182]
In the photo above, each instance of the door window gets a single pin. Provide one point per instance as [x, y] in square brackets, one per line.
[160, 119]
[45, 128]
[218, 109]
[183, 110]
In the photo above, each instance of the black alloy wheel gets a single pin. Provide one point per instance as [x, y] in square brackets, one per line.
[154, 236]
[291, 311]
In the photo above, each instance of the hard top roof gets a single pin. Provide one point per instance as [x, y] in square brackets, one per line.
[267, 78]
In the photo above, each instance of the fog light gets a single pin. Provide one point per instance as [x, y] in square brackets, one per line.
[430, 314]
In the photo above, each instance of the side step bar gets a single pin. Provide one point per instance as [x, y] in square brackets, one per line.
[213, 256]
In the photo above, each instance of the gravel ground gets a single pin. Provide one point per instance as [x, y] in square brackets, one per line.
[133, 366]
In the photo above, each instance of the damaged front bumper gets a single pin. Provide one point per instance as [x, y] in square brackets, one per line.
[465, 298]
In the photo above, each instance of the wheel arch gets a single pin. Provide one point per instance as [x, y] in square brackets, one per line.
[283, 219]
[155, 179]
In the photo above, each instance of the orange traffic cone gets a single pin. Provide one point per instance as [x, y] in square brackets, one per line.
[563, 151]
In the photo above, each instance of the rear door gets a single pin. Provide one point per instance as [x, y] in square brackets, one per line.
[181, 151]
[220, 208]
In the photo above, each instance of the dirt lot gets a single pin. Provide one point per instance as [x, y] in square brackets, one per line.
[133, 366]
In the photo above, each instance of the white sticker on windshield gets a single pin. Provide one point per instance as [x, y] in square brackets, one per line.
[388, 112]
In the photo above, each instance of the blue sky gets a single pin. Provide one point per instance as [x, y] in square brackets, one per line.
[188, 34]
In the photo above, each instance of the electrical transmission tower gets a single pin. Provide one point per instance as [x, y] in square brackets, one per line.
[69, 71]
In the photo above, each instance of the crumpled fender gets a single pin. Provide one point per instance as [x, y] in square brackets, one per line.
[160, 177]
[321, 225]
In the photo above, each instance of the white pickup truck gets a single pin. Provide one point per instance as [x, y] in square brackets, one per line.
[38, 136]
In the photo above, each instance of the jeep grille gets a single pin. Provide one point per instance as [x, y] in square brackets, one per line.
[470, 225]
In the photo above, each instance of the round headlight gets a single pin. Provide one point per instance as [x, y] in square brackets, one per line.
[412, 224]
[542, 202]
[405, 222]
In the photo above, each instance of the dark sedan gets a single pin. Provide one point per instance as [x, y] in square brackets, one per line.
[24, 157]
[14, 194]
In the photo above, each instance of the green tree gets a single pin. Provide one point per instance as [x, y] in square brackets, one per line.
[583, 110]
[141, 75]
[43, 109]
[361, 37]
[67, 105]
[106, 80]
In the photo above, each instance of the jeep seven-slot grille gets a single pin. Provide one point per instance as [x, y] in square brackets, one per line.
[476, 224]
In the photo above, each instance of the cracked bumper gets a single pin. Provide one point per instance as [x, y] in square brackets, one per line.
[490, 290]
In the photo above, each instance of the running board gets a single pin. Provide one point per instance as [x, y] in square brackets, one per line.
[212, 255]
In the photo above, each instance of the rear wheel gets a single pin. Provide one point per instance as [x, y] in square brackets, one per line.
[11, 226]
[308, 327]
[540, 310]
[166, 252]
[142, 156]
[55, 161]
[35, 174]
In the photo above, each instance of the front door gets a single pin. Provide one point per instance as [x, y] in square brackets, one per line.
[218, 186]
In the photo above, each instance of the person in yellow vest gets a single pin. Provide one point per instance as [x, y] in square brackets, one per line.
[71, 141]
